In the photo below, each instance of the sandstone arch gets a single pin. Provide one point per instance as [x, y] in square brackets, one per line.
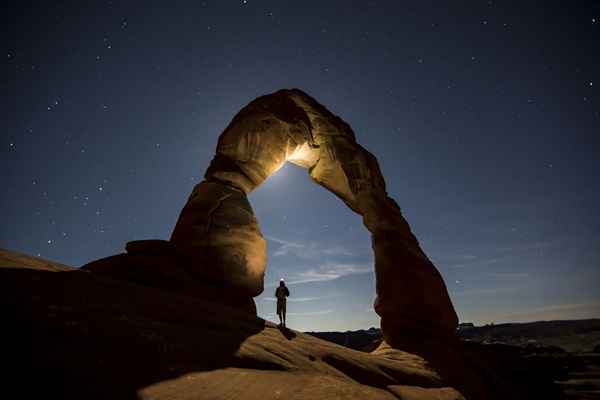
[218, 232]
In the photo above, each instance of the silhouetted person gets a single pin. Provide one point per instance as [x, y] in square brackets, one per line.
[280, 294]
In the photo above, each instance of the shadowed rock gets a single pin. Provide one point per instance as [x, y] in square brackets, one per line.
[81, 334]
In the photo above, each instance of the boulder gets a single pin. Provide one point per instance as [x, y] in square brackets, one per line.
[158, 264]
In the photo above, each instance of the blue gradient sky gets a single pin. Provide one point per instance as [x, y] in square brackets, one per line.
[484, 117]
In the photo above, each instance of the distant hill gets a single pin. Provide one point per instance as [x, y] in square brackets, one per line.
[570, 335]
[358, 340]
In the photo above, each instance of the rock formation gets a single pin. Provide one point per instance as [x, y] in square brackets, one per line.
[218, 225]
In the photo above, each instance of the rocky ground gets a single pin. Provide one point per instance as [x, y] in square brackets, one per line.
[75, 334]
[532, 356]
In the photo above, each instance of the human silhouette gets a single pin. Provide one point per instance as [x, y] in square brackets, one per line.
[280, 294]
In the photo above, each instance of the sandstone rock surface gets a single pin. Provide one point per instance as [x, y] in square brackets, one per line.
[418, 393]
[14, 259]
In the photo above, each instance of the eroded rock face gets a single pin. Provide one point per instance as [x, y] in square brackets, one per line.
[218, 225]
[288, 125]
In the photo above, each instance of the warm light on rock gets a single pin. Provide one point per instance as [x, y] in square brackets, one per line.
[304, 156]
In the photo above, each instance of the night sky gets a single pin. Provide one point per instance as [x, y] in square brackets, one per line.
[484, 116]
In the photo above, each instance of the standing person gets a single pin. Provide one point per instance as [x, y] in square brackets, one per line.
[280, 294]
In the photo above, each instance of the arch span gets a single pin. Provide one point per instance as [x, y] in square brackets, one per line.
[218, 232]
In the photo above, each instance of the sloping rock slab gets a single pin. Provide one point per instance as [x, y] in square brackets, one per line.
[251, 384]
[419, 393]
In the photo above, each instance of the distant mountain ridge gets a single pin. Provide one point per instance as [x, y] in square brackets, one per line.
[357, 340]
[570, 335]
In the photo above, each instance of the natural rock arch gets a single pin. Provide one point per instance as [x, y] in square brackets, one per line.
[218, 232]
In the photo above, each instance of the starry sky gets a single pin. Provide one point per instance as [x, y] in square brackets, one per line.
[484, 116]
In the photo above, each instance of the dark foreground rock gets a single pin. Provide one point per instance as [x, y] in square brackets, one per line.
[72, 333]
[78, 334]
